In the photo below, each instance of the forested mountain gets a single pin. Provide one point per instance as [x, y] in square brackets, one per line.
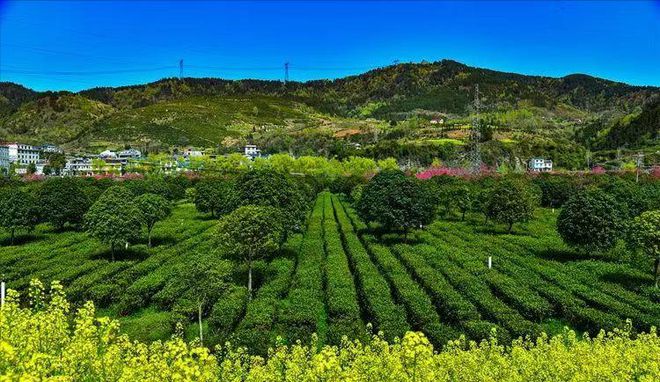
[429, 101]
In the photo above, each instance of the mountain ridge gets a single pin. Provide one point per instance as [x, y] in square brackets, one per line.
[215, 109]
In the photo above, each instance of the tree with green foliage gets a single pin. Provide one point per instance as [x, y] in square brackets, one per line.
[275, 189]
[216, 196]
[464, 197]
[590, 220]
[17, 211]
[196, 286]
[61, 201]
[555, 189]
[56, 162]
[250, 233]
[644, 234]
[630, 196]
[113, 218]
[512, 200]
[396, 201]
[152, 208]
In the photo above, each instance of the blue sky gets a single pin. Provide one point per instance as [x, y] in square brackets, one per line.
[53, 45]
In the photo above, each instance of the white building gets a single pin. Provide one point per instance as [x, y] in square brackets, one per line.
[107, 154]
[191, 152]
[23, 155]
[129, 154]
[251, 151]
[539, 165]
[50, 148]
[4, 160]
[78, 166]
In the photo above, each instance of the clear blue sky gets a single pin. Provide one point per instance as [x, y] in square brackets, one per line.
[76, 45]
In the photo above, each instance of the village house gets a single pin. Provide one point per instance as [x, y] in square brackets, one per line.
[251, 151]
[539, 165]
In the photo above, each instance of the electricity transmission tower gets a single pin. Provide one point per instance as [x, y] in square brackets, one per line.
[474, 156]
[286, 72]
[181, 68]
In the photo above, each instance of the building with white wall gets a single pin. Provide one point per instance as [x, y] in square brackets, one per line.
[539, 165]
[129, 154]
[251, 151]
[22, 154]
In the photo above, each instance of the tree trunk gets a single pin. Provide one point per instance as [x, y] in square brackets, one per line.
[250, 281]
[510, 227]
[149, 236]
[13, 231]
[657, 272]
[199, 320]
[112, 252]
[463, 216]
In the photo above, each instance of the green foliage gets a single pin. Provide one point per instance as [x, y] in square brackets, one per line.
[250, 233]
[152, 209]
[17, 210]
[113, 218]
[555, 189]
[644, 233]
[61, 201]
[216, 196]
[591, 220]
[396, 201]
[512, 200]
[632, 198]
[274, 189]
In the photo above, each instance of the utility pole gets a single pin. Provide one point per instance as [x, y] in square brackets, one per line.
[181, 68]
[286, 72]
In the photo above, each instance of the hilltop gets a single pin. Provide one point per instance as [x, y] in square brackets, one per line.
[403, 107]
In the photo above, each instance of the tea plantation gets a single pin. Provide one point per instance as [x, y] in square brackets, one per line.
[337, 279]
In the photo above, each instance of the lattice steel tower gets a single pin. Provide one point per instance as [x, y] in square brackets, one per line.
[474, 156]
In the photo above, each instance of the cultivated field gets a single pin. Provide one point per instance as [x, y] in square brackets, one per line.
[337, 277]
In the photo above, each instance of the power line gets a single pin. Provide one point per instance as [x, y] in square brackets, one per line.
[87, 73]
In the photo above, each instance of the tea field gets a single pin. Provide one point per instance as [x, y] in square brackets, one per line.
[339, 279]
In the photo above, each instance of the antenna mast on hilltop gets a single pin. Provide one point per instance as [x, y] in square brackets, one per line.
[286, 72]
[181, 68]
[475, 135]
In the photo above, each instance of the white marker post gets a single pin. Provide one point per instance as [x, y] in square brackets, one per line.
[490, 262]
[2, 294]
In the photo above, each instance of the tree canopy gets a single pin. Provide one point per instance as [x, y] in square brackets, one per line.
[590, 220]
[113, 218]
[275, 189]
[152, 208]
[512, 200]
[644, 234]
[17, 210]
[61, 201]
[250, 233]
[215, 196]
[396, 201]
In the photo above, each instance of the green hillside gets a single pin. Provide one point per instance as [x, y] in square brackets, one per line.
[396, 109]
